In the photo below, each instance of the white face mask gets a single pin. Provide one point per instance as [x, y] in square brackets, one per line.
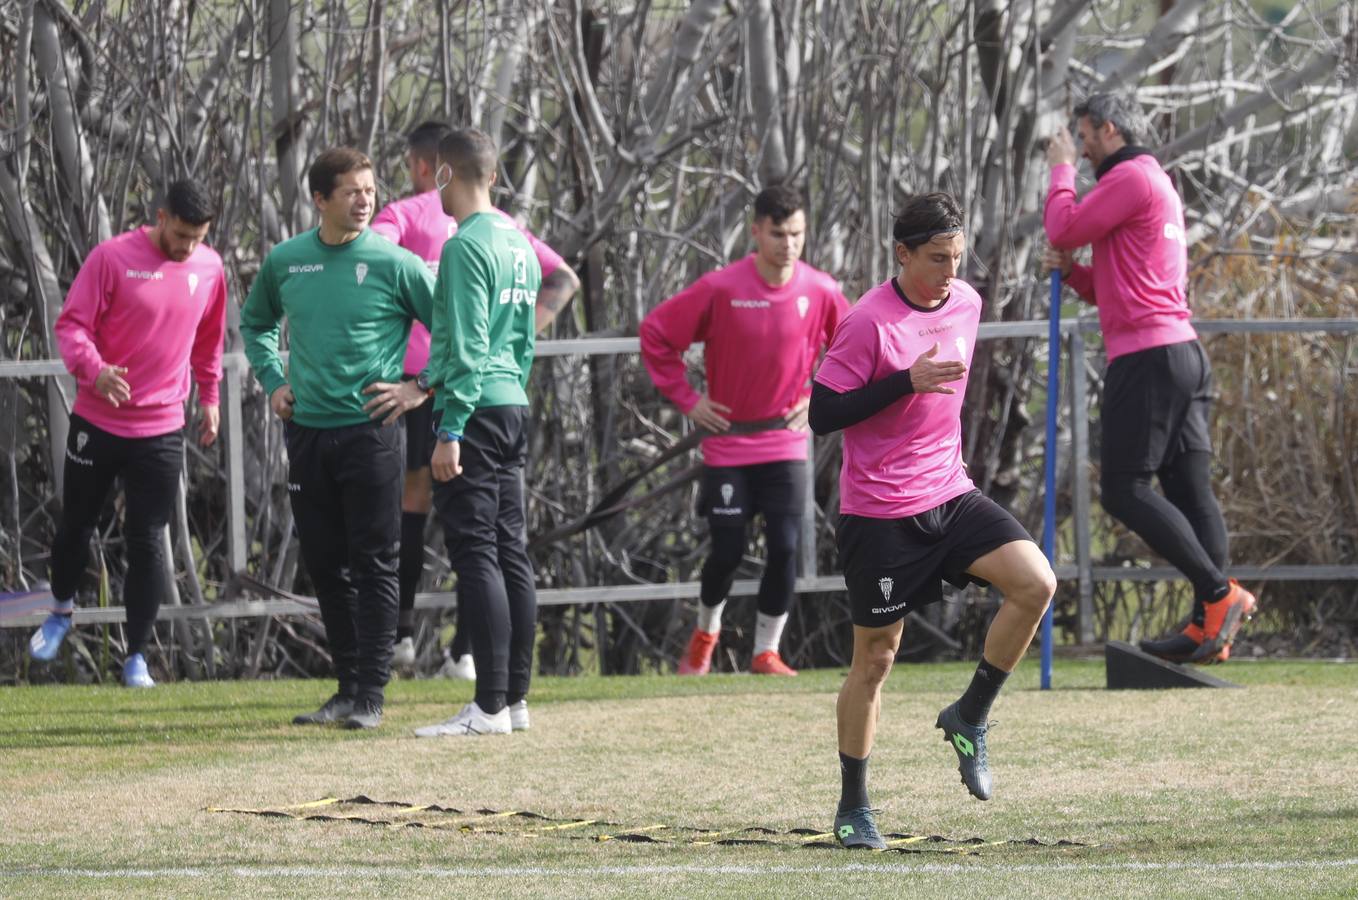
[439, 182]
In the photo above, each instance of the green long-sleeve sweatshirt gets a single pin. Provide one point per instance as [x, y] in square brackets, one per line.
[349, 309]
[483, 332]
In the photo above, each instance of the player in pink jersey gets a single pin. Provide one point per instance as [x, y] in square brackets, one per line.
[763, 321]
[143, 319]
[1157, 395]
[419, 224]
[893, 380]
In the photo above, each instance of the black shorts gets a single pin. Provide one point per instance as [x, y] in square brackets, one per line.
[733, 494]
[1156, 405]
[420, 436]
[895, 566]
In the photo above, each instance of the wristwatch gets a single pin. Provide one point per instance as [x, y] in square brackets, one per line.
[447, 436]
[422, 382]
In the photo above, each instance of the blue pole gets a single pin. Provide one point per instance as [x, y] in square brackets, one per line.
[1049, 505]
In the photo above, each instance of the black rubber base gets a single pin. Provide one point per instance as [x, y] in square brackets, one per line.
[1130, 668]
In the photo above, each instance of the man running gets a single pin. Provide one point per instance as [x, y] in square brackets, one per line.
[480, 355]
[1157, 393]
[419, 224]
[142, 322]
[349, 297]
[894, 379]
[763, 321]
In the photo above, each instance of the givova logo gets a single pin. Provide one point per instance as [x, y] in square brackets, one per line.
[306, 268]
[148, 276]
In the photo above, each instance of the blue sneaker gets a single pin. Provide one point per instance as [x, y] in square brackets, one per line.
[857, 829]
[135, 674]
[968, 741]
[46, 641]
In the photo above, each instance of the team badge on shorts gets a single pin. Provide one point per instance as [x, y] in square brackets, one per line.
[727, 492]
[885, 585]
[361, 272]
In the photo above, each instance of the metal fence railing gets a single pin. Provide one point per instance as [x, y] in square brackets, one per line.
[1081, 568]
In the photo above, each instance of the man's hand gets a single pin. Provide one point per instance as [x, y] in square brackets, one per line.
[110, 385]
[447, 460]
[796, 414]
[282, 400]
[708, 413]
[1058, 259]
[392, 400]
[1061, 148]
[209, 423]
[928, 377]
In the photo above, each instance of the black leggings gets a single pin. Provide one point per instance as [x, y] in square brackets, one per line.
[149, 468]
[1185, 526]
[781, 532]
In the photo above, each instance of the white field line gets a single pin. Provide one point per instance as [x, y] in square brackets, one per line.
[237, 871]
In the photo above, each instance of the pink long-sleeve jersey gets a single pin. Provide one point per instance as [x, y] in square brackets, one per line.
[760, 345]
[419, 224]
[130, 305]
[1139, 278]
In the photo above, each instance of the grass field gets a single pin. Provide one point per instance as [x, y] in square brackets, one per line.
[107, 792]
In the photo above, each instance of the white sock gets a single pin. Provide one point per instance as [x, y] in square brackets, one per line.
[768, 631]
[709, 617]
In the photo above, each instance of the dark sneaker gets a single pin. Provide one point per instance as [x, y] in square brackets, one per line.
[969, 743]
[336, 709]
[856, 829]
[1178, 647]
[367, 714]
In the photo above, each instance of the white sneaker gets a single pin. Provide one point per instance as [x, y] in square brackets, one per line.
[470, 722]
[462, 668]
[403, 654]
[518, 716]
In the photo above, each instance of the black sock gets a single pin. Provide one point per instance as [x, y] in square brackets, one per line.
[974, 707]
[853, 792]
[411, 568]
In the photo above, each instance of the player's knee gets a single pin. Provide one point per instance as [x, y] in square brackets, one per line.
[1032, 590]
[873, 662]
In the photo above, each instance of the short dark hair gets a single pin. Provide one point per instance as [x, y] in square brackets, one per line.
[470, 153]
[1119, 109]
[926, 216]
[189, 202]
[777, 203]
[331, 164]
[424, 139]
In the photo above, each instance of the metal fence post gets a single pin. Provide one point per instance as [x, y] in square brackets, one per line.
[236, 550]
[1079, 418]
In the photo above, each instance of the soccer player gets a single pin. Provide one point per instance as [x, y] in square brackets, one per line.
[1157, 393]
[349, 297]
[894, 379]
[143, 320]
[480, 355]
[764, 321]
[419, 224]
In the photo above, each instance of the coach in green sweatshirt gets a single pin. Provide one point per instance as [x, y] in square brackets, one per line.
[349, 296]
[480, 354]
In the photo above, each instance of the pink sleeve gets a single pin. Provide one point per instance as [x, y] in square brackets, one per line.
[839, 305]
[669, 330]
[78, 322]
[1081, 281]
[852, 357]
[548, 258]
[1072, 223]
[206, 356]
[388, 224]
